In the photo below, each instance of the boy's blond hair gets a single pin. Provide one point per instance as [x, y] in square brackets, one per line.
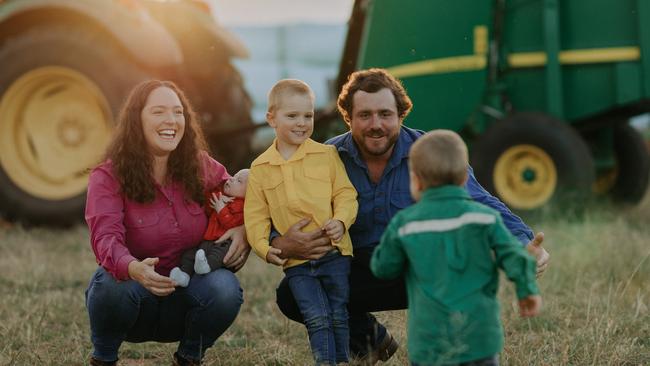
[439, 157]
[286, 87]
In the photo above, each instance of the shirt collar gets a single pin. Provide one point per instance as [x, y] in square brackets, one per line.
[445, 192]
[400, 150]
[272, 155]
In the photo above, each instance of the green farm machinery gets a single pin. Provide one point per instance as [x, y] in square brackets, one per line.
[66, 67]
[541, 90]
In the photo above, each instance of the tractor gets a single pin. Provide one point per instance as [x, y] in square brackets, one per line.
[541, 90]
[67, 66]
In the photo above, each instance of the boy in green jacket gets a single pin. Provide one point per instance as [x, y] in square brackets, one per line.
[449, 248]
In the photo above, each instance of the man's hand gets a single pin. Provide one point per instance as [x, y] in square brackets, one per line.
[239, 248]
[530, 306]
[334, 229]
[541, 255]
[144, 274]
[273, 256]
[296, 244]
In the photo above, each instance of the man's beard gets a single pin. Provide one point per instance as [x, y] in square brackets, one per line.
[373, 149]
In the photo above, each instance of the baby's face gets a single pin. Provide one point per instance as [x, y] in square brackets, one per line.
[235, 186]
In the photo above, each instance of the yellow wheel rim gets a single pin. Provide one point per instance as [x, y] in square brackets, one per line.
[55, 124]
[525, 177]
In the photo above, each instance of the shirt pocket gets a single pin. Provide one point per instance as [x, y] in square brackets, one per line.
[194, 208]
[194, 224]
[142, 232]
[141, 219]
[319, 183]
[400, 200]
[274, 192]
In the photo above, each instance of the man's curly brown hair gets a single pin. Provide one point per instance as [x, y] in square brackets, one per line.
[371, 81]
[132, 160]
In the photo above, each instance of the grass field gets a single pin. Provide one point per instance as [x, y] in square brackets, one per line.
[596, 301]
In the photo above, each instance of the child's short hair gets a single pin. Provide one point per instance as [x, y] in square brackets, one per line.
[439, 157]
[284, 87]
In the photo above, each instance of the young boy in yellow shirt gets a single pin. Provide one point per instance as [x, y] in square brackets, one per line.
[297, 178]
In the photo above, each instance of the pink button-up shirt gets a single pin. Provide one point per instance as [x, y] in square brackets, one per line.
[122, 230]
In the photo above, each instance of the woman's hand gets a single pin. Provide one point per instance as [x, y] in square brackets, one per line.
[144, 274]
[239, 248]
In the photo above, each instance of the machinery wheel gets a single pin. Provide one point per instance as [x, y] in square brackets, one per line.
[528, 159]
[59, 90]
[632, 164]
[226, 117]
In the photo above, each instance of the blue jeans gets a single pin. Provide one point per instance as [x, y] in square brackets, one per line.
[321, 289]
[367, 293]
[196, 315]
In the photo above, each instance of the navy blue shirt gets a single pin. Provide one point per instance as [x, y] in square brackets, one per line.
[379, 202]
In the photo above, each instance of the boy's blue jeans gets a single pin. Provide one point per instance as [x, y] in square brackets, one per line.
[196, 315]
[321, 289]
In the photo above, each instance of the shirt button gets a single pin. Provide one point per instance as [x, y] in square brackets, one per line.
[176, 224]
[378, 209]
[170, 203]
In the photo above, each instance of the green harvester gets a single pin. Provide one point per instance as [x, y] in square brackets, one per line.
[541, 90]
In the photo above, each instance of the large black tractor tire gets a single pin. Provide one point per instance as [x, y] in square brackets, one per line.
[226, 116]
[60, 89]
[530, 159]
[632, 164]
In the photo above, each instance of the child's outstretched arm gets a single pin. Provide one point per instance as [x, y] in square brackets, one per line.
[519, 266]
[389, 259]
[530, 306]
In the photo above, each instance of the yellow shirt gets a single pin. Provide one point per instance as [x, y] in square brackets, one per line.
[311, 184]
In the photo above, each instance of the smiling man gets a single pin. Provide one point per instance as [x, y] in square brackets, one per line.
[375, 155]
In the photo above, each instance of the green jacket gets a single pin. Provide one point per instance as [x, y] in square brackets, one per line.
[448, 247]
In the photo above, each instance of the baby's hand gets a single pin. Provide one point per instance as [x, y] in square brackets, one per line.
[225, 199]
[273, 256]
[334, 229]
[217, 202]
[530, 306]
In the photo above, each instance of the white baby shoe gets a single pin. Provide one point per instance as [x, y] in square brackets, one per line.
[181, 278]
[201, 265]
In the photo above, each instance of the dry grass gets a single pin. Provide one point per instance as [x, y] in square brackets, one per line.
[595, 312]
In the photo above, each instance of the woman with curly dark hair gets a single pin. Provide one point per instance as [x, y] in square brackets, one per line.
[144, 209]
